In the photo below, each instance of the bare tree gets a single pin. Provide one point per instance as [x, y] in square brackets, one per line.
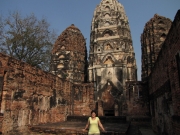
[27, 39]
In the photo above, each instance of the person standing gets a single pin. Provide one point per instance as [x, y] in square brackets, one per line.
[94, 123]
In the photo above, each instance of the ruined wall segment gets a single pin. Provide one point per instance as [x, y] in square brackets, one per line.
[83, 99]
[136, 106]
[164, 82]
[30, 96]
[111, 58]
[152, 38]
[69, 56]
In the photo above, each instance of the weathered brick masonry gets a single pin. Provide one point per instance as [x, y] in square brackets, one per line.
[137, 104]
[164, 84]
[152, 38]
[30, 96]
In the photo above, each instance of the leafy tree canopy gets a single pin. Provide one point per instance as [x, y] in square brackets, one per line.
[27, 39]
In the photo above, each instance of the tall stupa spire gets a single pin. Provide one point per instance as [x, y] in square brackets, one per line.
[111, 57]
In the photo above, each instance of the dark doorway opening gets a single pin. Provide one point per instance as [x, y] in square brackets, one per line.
[108, 112]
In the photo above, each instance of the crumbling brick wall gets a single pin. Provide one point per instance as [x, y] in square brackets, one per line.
[30, 96]
[83, 94]
[137, 105]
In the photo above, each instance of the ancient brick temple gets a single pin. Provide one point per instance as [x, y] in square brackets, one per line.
[111, 57]
[107, 82]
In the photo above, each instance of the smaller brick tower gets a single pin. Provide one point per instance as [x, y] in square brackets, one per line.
[69, 56]
[152, 38]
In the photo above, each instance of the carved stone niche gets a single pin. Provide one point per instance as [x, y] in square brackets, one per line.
[107, 15]
[108, 61]
[107, 47]
[107, 33]
[107, 8]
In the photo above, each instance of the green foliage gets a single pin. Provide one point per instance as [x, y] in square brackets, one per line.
[27, 39]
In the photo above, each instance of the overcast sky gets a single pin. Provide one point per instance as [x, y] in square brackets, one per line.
[62, 13]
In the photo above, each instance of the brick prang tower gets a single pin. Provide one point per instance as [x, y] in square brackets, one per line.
[152, 38]
[69, 56]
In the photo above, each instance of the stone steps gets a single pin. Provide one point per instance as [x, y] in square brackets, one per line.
[104, 119]
[75, 124]
[72, 131]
